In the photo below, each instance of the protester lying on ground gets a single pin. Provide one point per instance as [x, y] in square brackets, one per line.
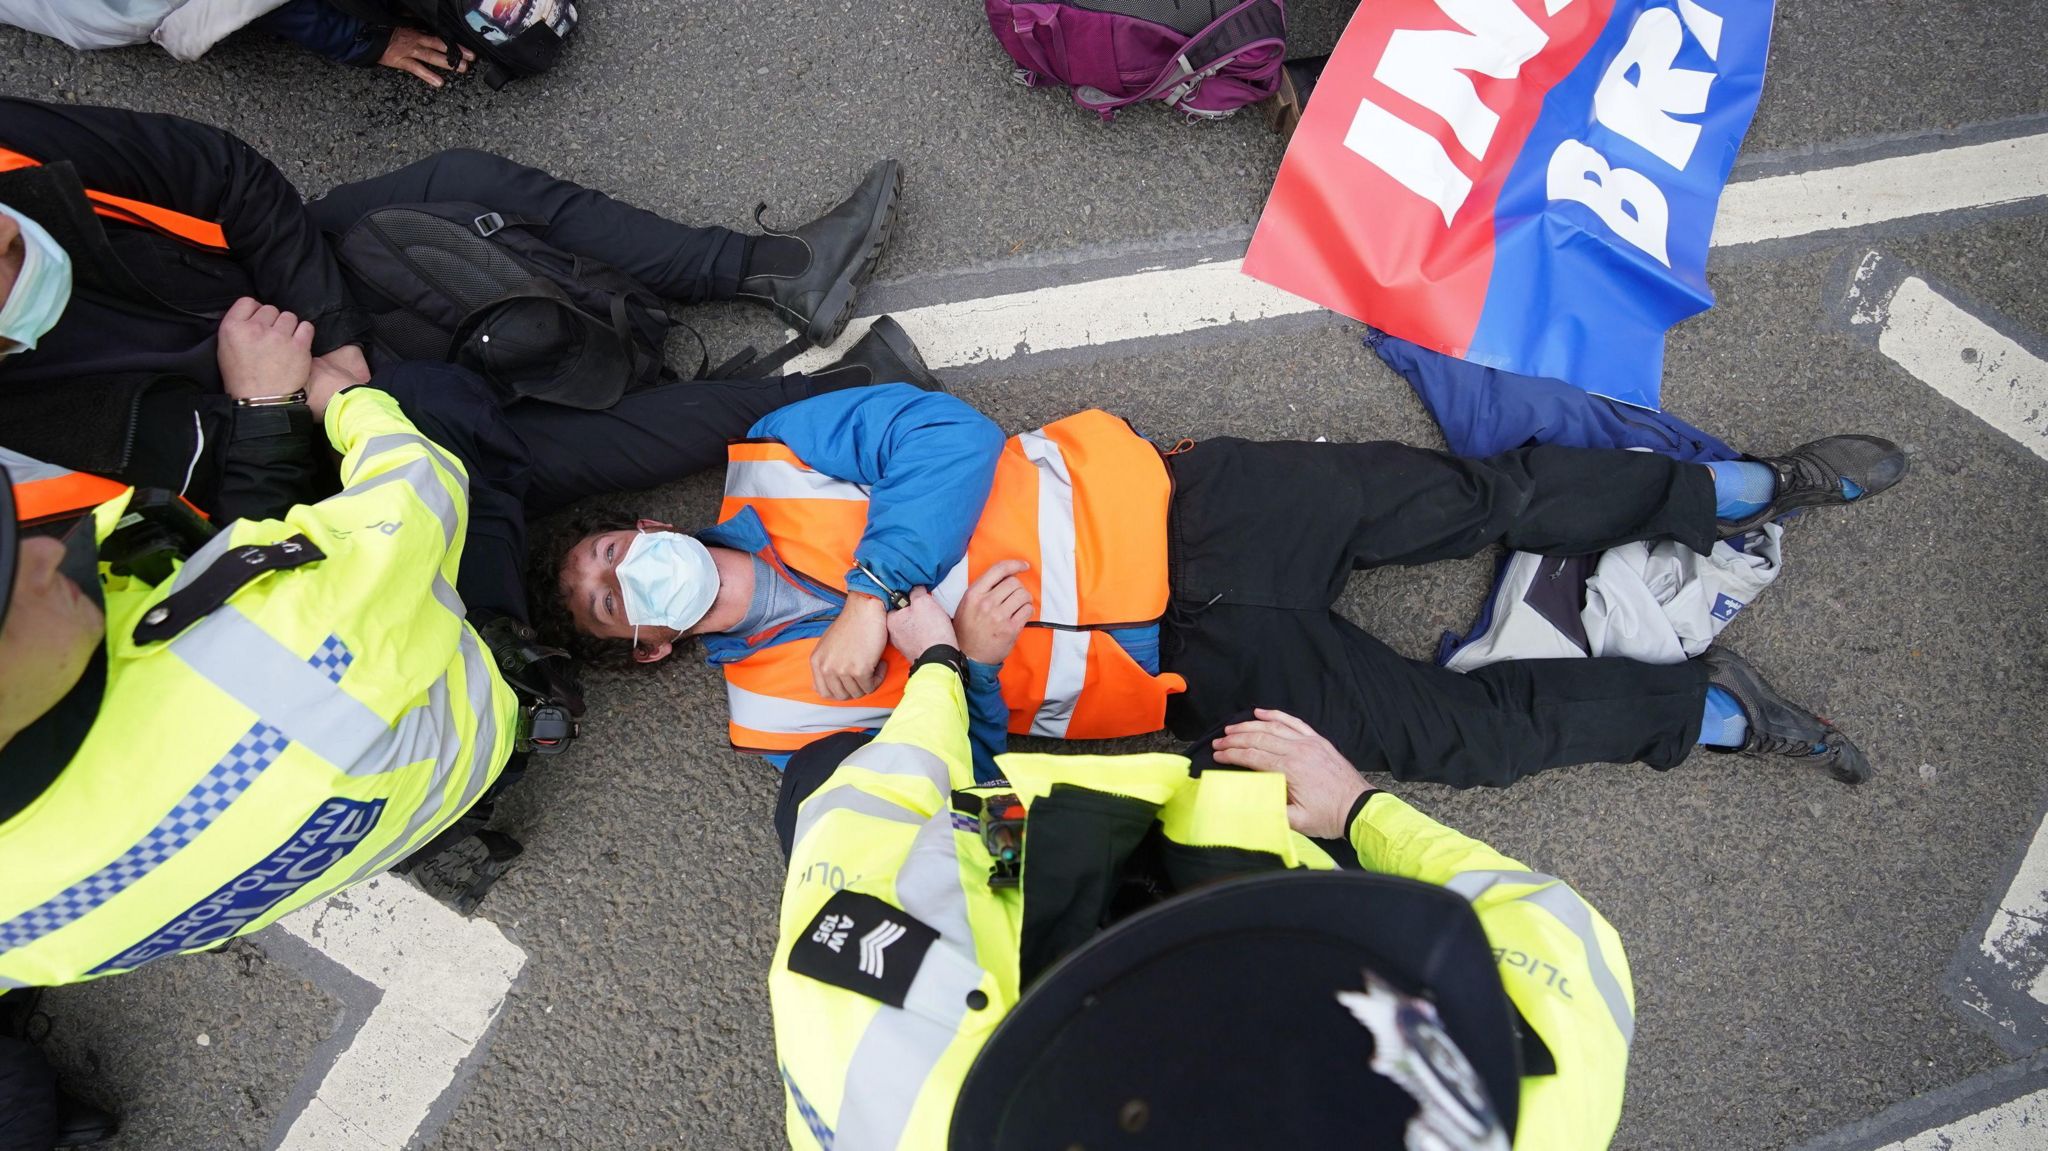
[1434, 992]
[117, 367]
[838, 506]
[188, 29]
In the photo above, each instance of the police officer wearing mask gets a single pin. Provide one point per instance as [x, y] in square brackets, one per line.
[1129, 951]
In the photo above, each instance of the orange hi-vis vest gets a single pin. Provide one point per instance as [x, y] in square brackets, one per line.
[45, 492]
[191, 229]
[1082, 500]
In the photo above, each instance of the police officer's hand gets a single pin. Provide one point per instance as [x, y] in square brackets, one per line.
[847, 663]
[921, 626]
[993, 613]
[420, 53]
[1321, 784]
[263, 351]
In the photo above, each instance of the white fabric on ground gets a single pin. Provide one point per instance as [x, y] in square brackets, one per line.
[197, 25]
[1659, 603]
[185, 28]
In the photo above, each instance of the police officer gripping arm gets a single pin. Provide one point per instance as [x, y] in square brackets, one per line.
[191, 748]
[1108, 951]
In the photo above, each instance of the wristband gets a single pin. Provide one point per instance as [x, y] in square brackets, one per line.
[1358, 809]
[945, 654]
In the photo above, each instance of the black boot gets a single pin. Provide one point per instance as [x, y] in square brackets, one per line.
[884, 355]
[811, 276]
[1777, 726]
[1812, 475]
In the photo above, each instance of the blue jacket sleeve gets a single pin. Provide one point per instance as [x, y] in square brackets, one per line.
[927, 460]
[988, 718]
[330, 33]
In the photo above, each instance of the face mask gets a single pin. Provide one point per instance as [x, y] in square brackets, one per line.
[42, 289]
[668, 579]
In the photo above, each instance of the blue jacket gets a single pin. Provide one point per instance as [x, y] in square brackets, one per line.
[928, 461]
[331, 33]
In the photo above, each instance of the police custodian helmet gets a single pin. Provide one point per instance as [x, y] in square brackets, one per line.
[1293, 1009]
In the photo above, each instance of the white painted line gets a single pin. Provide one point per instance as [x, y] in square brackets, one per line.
[1956, 354]
[2021, 1125]
[1144, 304]
[444, 979]
[1857, 195]
[2017, 937]
[1165, 302]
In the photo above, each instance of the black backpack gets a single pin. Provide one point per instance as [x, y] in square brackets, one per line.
[460, 283]
[531, 50]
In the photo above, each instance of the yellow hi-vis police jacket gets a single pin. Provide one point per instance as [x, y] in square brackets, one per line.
[315, 729]
[861, 1075]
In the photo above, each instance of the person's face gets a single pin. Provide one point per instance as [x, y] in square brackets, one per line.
[51, 632]
[590, 584]
[12, 254]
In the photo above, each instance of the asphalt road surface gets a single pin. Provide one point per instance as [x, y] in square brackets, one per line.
[1791, 938]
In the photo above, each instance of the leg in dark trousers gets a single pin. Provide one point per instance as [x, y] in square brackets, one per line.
[531, 459]
[1263, 536]
[674, 260]
[1284, 524]
[1420, 721]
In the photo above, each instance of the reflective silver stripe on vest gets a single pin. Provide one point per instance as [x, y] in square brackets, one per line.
[204, 558]
[425, 482]
[378, 445]
[1059, 585]
[902, 759]
[851, 799]
[427, 818]
[952, 587]
[900, 1047]
[28, 469]
[230, 651]
[7, 984]
[782, 480]
[1567, 908]
[796, 717]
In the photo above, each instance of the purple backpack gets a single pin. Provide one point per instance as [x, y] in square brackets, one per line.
[1205, 57]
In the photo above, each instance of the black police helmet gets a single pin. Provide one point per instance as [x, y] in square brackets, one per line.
[1215, 1020]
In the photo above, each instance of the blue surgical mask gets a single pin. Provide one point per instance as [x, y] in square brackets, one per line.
[668, 579]
[41, 290]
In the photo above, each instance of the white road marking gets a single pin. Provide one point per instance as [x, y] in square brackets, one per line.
[444, 980]
[1956, 354]
[2017, 937]
[1878, 191]
[2020, 1125]
[1165, 302]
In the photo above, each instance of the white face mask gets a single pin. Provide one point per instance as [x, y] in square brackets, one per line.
[41, 290]
[668, 579]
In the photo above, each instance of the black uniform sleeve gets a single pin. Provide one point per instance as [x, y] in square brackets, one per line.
[272, 463]
[205, 172]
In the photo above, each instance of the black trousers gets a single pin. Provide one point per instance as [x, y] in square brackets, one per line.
[531, 459]
[674, 260]
[28, 1098]
[1263, 536]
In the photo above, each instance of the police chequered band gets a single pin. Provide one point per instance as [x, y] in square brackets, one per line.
[225, 782]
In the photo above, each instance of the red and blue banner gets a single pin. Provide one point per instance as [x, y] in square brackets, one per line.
[1526, 184]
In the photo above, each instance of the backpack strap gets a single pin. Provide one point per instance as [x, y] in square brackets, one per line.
[1206, 52]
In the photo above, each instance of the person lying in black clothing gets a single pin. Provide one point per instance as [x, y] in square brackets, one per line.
[132, 383]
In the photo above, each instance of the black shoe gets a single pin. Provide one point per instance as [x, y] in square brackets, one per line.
[80, 1124]
[1811, 475]
[1779, 727]
[884, 355]
[842, 247]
